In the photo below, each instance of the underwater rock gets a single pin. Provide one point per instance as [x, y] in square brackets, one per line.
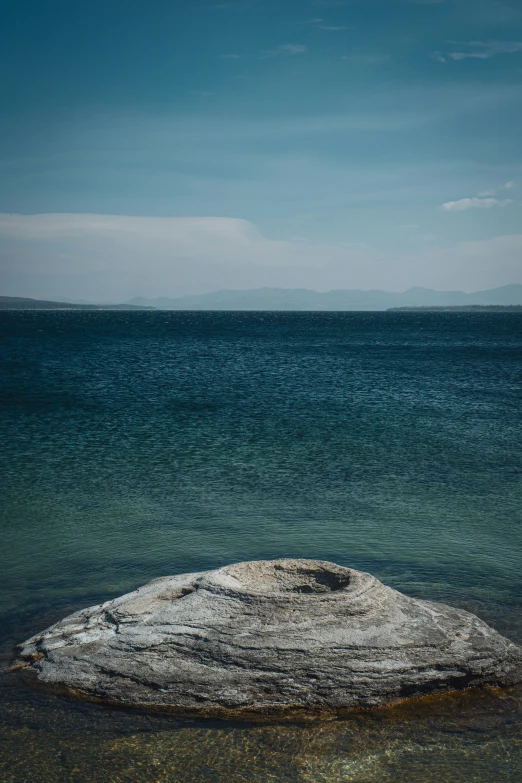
[281, 638]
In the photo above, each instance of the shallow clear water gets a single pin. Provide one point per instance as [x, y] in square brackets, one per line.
[141, 444]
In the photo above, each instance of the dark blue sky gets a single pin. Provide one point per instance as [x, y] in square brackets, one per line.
[335, 144]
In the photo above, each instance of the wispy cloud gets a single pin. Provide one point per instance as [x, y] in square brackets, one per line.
[476, 202]
[322, 24]
[478, 50]
[284, 49]
[230, 57]
[366, 59]
[493, 191]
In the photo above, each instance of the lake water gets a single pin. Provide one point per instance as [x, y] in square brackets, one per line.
[140, 444]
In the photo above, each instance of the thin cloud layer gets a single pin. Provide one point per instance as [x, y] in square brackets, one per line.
[116, 257]
[284, 49]
[476, 202]
[479, 50]
[322, 24]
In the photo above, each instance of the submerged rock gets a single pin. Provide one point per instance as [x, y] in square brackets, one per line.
[279, 638]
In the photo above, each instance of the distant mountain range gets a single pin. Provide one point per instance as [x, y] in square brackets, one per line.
[24, 303]
[294, 299]
[303, 299]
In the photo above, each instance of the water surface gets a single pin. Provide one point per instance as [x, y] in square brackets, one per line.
[141, 444]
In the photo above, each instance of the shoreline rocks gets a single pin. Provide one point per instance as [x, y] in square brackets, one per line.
[267, 639]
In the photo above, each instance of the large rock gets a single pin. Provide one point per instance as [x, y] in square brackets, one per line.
[270, 638]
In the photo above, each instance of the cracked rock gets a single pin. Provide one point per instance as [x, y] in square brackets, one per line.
[281, 638]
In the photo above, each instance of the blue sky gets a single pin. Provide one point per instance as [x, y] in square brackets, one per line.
[165, 148]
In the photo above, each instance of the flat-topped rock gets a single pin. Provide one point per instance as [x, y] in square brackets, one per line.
[279, 638]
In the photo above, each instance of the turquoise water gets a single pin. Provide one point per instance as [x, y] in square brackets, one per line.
[141, 444]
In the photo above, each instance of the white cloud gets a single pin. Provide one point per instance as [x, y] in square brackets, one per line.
[479, 50]
[510, 185]
[230, 57]
[115, 257]
[474, 203]
[190, 235]
[283, 49]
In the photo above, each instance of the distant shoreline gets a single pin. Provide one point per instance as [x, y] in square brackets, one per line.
[25, 303]
[459, 309]
[280, 301]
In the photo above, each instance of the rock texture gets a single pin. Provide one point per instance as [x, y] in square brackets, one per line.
[280, 638]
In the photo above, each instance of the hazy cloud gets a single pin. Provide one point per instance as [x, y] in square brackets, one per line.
[492, 191]
[366, 59]
[116, 257]
[475, 203]
[284, 49]
[322, 24]
[478, 50]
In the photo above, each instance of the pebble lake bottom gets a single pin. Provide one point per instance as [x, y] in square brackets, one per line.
[140, 444]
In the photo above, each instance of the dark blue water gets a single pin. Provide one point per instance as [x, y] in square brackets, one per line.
[141, 444]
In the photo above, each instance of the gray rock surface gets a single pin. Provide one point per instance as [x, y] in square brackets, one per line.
[280, 638]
